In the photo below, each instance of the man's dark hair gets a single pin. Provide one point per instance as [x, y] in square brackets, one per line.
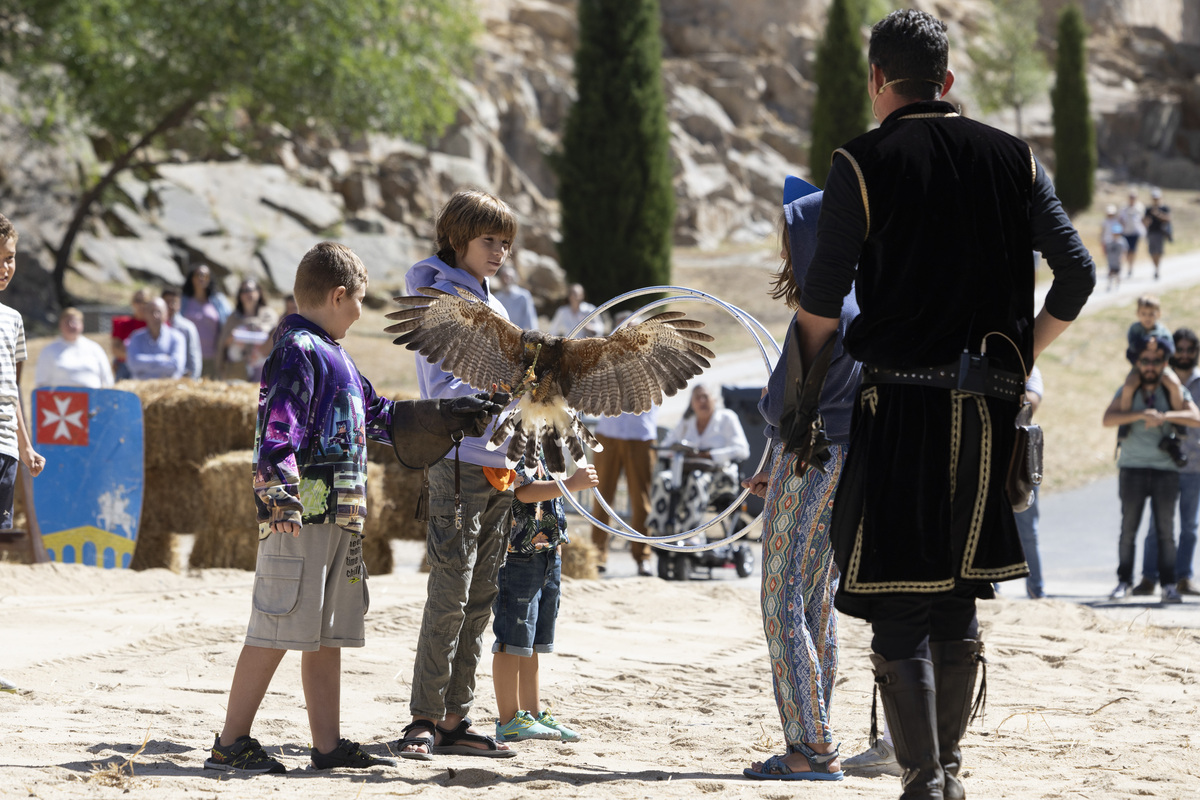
[1186, 335]
[911, 46]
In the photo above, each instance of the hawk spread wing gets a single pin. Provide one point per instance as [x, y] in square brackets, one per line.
[553, 377]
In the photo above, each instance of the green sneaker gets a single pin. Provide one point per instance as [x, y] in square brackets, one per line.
[566, 733]
[524, 726]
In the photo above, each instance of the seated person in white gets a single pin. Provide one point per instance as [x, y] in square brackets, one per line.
[714, 434]
[572, 313]
[73, 359]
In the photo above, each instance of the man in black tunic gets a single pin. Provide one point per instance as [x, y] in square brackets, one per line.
[941, 214]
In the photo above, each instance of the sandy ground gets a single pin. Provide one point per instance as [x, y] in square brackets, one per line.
[124, 677]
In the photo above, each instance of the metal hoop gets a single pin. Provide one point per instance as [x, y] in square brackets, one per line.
[760, 335]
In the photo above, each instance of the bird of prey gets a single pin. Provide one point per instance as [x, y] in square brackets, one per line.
[553, 378]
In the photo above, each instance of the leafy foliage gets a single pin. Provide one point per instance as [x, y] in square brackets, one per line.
[1010, 71]
[841, 110]
[1074, 132]
[614, 169]
[134, 70]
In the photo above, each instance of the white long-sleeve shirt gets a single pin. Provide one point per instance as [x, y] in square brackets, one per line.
[723, 437]
[78, 363]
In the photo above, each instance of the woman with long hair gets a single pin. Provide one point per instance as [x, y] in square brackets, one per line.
[207, 308]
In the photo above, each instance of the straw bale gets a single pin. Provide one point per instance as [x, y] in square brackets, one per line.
[580, 558]
[228, 535]
[401, 489]
[185, 422]
[377, 548]
[156, 551]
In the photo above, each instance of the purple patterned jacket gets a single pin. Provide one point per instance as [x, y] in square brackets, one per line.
[315, 413]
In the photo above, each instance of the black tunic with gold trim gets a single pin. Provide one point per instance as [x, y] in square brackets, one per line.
[941, 214]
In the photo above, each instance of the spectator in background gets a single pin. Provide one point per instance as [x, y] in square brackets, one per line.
[122, 328]
[1147, 470]
[1027, 520]
[194, 362]
[73, 359]
[628, 441]
[716, 435]
[1113, 241]
[1131, 217]
[157, 350]
[1158, 227]
[570, 314]
[207, 308]
[245, 338]
[1187, 351]
[515, 298]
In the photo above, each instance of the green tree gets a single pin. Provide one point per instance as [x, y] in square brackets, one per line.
[1074, 132]
[136, 70]
[1010, 71]
[841, 110]
[614, 169]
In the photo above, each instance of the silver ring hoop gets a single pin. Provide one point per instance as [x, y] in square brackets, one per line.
[770, 352]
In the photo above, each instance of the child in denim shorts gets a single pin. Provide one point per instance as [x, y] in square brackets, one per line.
[526, 606]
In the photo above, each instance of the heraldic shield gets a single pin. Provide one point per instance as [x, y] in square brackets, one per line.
[89, 497]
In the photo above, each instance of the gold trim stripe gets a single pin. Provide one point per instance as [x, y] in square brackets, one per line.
[947, 115]
[1032, 167]
[862, 185]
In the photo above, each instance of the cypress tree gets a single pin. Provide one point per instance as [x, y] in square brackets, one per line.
[1074, 132]
[614, 170]
[841, 110]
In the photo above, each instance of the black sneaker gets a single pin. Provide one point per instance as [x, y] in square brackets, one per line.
[1146, 587]
[245, 755]
[347, 754]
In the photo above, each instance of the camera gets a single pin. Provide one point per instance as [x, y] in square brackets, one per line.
[1171, 445]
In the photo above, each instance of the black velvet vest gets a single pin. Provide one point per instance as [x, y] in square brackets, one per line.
[948, 255]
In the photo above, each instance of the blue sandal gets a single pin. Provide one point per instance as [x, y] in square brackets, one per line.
[776, 769]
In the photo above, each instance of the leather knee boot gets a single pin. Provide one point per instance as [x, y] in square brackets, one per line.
[955, 665]
[908, 692]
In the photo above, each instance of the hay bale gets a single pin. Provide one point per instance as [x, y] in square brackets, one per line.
[228, 536]
[185, 422]
[580, 558]
[377, 549]
[401, 489]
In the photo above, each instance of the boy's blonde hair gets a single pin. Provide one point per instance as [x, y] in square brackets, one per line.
[7, 231]
[325, 267]
[471, 213]
[70, 312]
[1149, 301]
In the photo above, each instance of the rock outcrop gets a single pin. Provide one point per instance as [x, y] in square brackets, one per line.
[739, 81]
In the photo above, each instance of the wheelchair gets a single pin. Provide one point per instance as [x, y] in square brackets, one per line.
[686, 489]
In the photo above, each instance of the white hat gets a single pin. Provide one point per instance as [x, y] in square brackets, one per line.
[1156, 192]
[1110, 209]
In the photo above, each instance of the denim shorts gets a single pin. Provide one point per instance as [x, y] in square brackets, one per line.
[526, 606]
[8, 489]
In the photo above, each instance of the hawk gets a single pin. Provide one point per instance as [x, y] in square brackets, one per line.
[553, 378]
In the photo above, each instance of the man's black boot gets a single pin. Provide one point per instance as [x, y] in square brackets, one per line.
[907, 690]
[955, 666]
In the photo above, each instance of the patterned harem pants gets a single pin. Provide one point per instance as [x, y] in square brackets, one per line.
[799, 583]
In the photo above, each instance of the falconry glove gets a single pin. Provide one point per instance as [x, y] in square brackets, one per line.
[800, 423]
[423, 431]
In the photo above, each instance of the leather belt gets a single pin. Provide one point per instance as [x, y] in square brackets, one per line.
[996, 383]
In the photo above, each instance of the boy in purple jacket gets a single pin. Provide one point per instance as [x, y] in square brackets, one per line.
[315, 412]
